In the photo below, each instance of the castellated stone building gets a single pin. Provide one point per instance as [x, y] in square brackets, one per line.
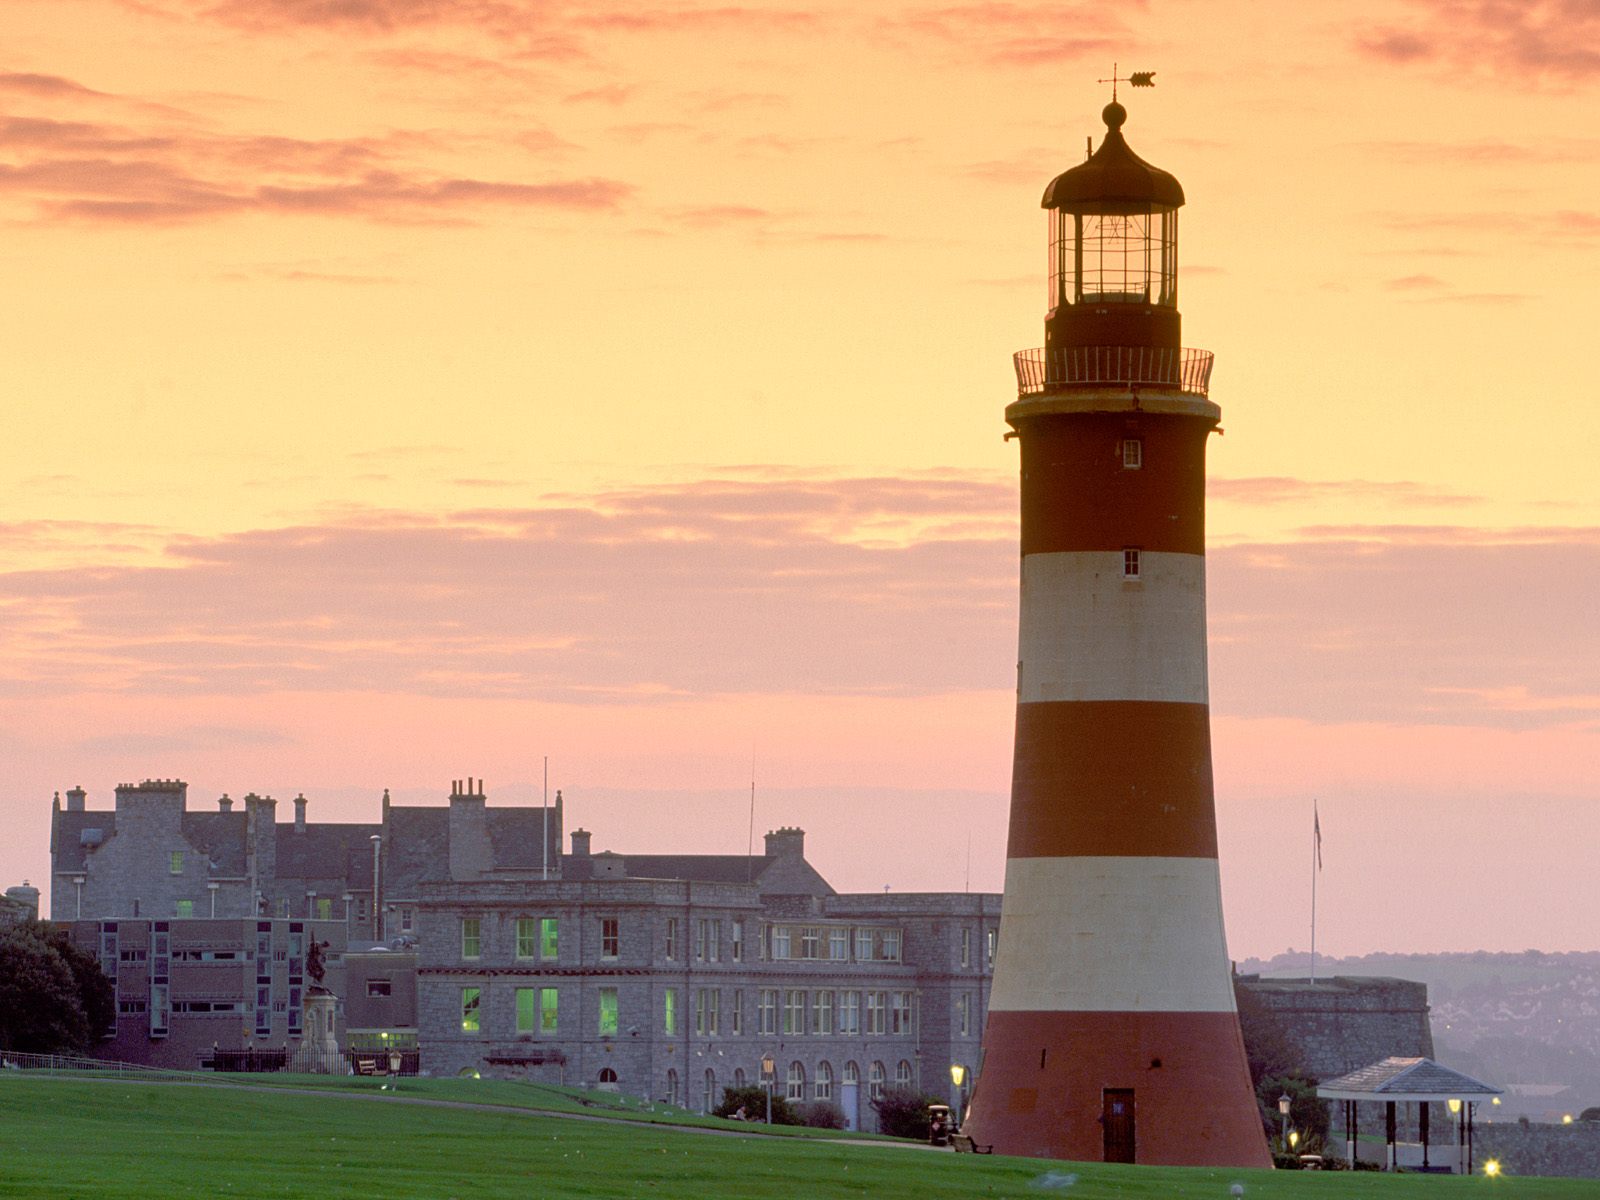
[464, 932]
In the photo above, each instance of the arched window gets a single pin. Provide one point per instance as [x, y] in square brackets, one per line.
[710, 1100]
[796, 1081]
[902, 1074]
[875, 1077]
[607, 1075]
[852, 1073]
[824, 1081]
[672, 1085]
[738, 1077]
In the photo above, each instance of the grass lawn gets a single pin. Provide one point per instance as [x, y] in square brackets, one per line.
[110, 1140]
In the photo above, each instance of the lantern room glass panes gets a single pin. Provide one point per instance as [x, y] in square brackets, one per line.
[1114, 258]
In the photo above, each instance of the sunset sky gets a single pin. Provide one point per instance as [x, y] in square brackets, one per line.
[401, 390]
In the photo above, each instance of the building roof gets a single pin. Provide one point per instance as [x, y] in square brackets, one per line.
[1406, 1079]
[1114, 179]
[323, 851]
[702, 868]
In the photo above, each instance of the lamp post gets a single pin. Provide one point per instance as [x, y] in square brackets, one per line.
[768, 1067]
[1284, 1101]
[958, 1076]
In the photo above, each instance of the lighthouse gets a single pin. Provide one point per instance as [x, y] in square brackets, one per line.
[1112, 1033]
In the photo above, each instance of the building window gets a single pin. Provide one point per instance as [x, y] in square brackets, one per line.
[794, 1012]
[964, 1015]
[184, 908]
[380, 987]
[824, 1089]
[610, 937]
[469, 1009]
[408, 918]
[705, 1011]
[900, 1014]
[548, 940]
[989, 940]
[608, 1011]
[852, 1073]
[877, 1014]
[672, 1085]
[738, 1077]
[607, 1075]
[548, 1009]
[175, 862]
[527, 937]
[810, 942]
[850, 1013]
[525, 1010]
[672, 939]
[902, 1074]
[795, 1082]
[738, 1012]
[708, 1100]
[700, 940]
[324, 907]
[283, 906]
[966, 946]
[713, 940]
[839, 945]
[471, 937]
[863, 945]
[780, 941]
[738, 941]
[1132, 454]
[822, 1013]
[1130, 563]
[670, 1011]
[875, 1078]
[767, 1012]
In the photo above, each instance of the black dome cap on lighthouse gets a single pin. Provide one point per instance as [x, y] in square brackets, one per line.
[1113, 175]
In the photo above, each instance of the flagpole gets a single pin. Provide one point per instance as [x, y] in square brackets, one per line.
[1316, 864]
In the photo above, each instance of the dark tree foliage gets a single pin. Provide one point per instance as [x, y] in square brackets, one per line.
[53, 997]
[821, 1114]
[903, 1112]
[1268, 1048]
[754, 1102]
[1307, 1113]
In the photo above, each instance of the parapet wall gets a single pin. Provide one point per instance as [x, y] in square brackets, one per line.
[1346, 1022]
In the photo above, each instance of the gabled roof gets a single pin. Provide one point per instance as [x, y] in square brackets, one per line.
[1406, 1079]
[324, 851]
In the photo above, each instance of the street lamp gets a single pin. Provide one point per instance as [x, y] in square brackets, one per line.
[958, 1076]
[768, 1067]
[1284, 1101]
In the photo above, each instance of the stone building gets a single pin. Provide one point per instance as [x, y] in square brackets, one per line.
[1346, 1022]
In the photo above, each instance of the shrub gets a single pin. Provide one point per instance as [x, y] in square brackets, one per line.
[754, 1102]
[821, 1114]
[1307, 1113]
[903, 1112]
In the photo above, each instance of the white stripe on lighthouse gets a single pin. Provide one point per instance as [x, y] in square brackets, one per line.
[1112, 935]
[1089, 633]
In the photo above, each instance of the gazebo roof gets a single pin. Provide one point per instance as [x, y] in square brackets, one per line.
[1419, 1079]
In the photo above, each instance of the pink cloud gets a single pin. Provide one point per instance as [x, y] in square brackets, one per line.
[1524, 43]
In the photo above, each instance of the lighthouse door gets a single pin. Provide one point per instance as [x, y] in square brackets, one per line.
[1117, 1118]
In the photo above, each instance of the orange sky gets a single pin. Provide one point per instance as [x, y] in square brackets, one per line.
[399, 390]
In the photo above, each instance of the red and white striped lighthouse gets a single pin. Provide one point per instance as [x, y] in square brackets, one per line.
[1112, 1033]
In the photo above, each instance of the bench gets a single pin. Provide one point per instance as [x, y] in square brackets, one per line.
[963, 1144]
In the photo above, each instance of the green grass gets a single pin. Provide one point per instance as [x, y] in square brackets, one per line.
[116, 1140]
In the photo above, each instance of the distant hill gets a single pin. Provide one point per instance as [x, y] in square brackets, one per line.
[1529, 1022]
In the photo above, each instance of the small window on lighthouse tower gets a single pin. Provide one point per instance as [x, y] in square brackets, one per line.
[1130, 563]
[1132, 454]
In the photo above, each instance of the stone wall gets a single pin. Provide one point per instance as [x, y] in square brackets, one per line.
[1572, 1151]
[1346, 1022]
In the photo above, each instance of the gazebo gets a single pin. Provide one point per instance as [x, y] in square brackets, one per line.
[1410, 1080]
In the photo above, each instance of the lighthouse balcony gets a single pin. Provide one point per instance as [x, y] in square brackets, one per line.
[1039, 371]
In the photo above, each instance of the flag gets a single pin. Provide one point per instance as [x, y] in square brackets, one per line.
[1316, 830]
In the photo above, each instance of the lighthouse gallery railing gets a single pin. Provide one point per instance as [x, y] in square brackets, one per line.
[1074, 366]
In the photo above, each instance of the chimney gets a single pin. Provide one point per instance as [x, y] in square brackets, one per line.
[300, 813]
[786, 842]
[224, 803]
[471, 852]
[75, 798]
[580, 843]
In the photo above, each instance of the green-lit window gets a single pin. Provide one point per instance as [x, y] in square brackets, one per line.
[324, 908]
[547, 1010]
[175, 862]
[471, 937]
[469, 1009]
[671, 1025]
[525, 1010]
[185, 908]
[547, 938]
[527, 937]
[608, 1010]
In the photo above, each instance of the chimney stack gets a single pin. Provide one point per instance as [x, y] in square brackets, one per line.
[75, 799]
[300, 813]
[224, 803]
[580, 843]
[790, 840]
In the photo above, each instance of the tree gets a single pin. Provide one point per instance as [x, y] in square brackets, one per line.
[903, 1112]
[754, 1102]
[1268, 1048]
[1307, 1114]
[54, 999]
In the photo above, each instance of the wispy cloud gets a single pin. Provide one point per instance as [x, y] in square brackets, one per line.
[1276, 490]
[1523, 43]
[1017, 35]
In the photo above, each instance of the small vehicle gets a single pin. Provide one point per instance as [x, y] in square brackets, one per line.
[941, 1124]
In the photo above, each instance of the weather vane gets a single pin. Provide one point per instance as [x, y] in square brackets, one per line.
[1134, 79]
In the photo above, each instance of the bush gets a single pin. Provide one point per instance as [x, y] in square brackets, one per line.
[53, 996]
[903, 1112]
[754, 1102]
[1307, 1113]
[820, 1114]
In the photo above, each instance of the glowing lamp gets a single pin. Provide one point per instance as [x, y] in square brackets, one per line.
[1492, 1167]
